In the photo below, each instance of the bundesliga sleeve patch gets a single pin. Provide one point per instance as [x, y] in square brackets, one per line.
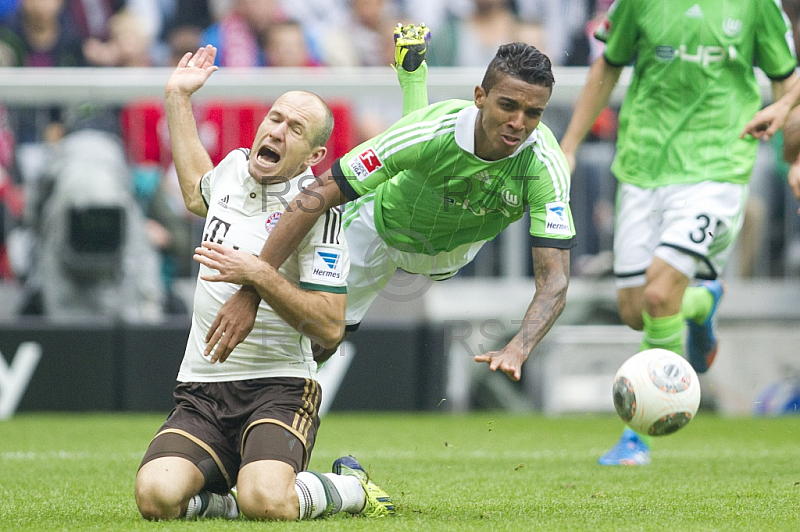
[327, 265]
[556, 221]
[365, 163]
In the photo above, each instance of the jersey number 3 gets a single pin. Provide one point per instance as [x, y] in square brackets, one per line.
[702, 231]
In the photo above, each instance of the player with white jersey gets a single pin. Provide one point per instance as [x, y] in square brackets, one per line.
[241, 213]
[249, 420]
[425, 195]
[683, 170]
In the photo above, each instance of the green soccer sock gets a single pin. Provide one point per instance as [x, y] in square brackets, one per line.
[415, 89]
[665, 332]
[696, 304]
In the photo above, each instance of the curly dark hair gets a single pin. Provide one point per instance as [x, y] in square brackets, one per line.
[521, 61]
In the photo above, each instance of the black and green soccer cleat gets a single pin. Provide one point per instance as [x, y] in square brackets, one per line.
[410, 45]
[378, 502]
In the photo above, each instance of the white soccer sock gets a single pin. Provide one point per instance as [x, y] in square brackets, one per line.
[207, 504]
[308, 488]
[353, 496]
[317, 495]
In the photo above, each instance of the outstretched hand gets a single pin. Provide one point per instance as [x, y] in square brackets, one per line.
[193, 70]
[766, 122]
[507, 360]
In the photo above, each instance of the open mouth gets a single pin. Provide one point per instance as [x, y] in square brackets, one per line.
[267, 156]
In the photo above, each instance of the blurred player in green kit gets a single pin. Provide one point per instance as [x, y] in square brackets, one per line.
[682, 169]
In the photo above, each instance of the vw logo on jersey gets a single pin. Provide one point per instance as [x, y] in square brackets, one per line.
[732, 26]
[511, 199]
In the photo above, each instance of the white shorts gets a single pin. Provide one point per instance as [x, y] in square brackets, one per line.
[373, 264]
[691, 227]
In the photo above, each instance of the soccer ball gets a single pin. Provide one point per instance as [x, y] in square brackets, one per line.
[656, 392]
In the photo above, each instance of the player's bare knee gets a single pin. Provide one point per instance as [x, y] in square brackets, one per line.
[656, 299]
[153, 512]
[155, 500]
[265, 503]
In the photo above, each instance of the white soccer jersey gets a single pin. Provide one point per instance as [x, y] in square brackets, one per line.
[241, 213]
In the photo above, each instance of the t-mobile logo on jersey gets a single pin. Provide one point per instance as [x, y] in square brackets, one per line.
[216, 229]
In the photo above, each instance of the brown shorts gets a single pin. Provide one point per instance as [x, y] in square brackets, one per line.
[221, 426]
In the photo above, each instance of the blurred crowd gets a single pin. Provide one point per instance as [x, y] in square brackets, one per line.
[147, 230]
[251, 33]
[86, 234]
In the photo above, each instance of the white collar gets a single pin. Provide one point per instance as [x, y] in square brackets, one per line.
[248, 180]
[465, 132]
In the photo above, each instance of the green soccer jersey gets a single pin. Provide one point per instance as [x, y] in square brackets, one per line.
[693, 86]
[433, 194]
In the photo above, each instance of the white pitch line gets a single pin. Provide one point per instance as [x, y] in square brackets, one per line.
[449, 453]
[453, 452]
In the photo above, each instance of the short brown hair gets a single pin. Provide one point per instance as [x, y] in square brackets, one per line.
[521, 61]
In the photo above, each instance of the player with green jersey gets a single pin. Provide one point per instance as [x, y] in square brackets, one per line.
[435, 202]
[682, 169]
[425, 195]
[694, 88]
[455, 198]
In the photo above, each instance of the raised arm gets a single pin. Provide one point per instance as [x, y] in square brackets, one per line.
[551, 270]
[191, 160]
[594, 97]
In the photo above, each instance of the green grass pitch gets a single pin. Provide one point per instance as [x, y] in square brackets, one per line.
[487, 471]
